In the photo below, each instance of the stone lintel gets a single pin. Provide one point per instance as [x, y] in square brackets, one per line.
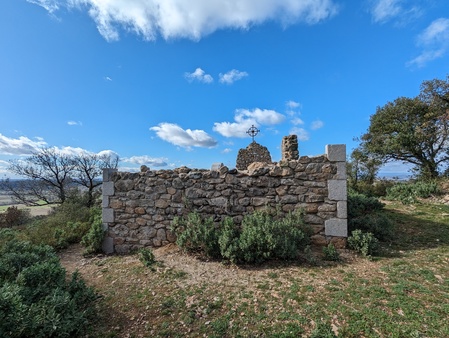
[336, 227]
[336, 152]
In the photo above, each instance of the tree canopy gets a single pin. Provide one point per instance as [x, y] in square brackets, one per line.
[413, 130]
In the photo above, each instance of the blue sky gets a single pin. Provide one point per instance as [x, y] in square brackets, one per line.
[168, 83]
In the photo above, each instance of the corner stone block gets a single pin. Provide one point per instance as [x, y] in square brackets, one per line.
[107, 174]
[336, 152]
[341, 171]
[108, 215]
[337, 190]
[108, 188]
[336, 227]
[342, 209]
[105, 202]
[108, 245]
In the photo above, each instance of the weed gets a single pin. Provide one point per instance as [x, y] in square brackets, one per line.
[147, 258]
[363, 242]
[330, 253]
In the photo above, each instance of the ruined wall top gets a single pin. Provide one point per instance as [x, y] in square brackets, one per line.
[290, 148]
[253, 153]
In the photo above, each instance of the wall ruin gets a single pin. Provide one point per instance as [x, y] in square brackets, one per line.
[138, 207]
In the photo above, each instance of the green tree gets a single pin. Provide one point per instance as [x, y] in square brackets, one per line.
[362, 167]
[413, 130]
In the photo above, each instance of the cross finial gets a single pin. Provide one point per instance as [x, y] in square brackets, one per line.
[253, 131]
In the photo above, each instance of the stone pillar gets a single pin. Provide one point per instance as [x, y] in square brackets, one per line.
[337, 191]
[289, 148]
[107, 212]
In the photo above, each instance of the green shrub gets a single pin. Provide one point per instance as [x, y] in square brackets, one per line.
[229, 241]
[146, 256]
[377, 189]
[7, 235]
[360, 205]
[408, 193]
[363, 242]
[366, 214]
[196, 235]
[66, 224]
[36, 300]
[14, 216]
[330, 253]
[265, 237]
[261, 236]
[93, 239]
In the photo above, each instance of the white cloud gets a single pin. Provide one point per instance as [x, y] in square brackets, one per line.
[232, 76]
[296, 121]
[384, 10]
[399, 10]
[146, 160]
[245, 118]
[107, 78]
[74, 123]
[434, 41]
[50, 5]
[20, 146]
[192, 19]
[317, 124]
[292, 104]
[174, 134]
[227, 151]
[303, 135]
[199, 75]
[437, 33]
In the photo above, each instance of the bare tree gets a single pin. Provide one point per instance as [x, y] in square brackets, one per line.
[47, 175]
[50, 175]
[89, 167]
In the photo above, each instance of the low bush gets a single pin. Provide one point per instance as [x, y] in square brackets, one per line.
[93, 239]
[377, 189]
[261, 236]
[265, 237]
[196, 235]
[67, 224]
[366, 214]
[146, 257]
[408, 193]
[14, 216]
[363, 242]
[330, 253]
[36, 300]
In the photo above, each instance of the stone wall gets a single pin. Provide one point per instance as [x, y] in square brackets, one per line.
[139, 207]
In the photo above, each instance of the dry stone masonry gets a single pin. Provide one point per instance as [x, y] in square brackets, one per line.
[289, 148]
[253, 153]
[138, 208]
